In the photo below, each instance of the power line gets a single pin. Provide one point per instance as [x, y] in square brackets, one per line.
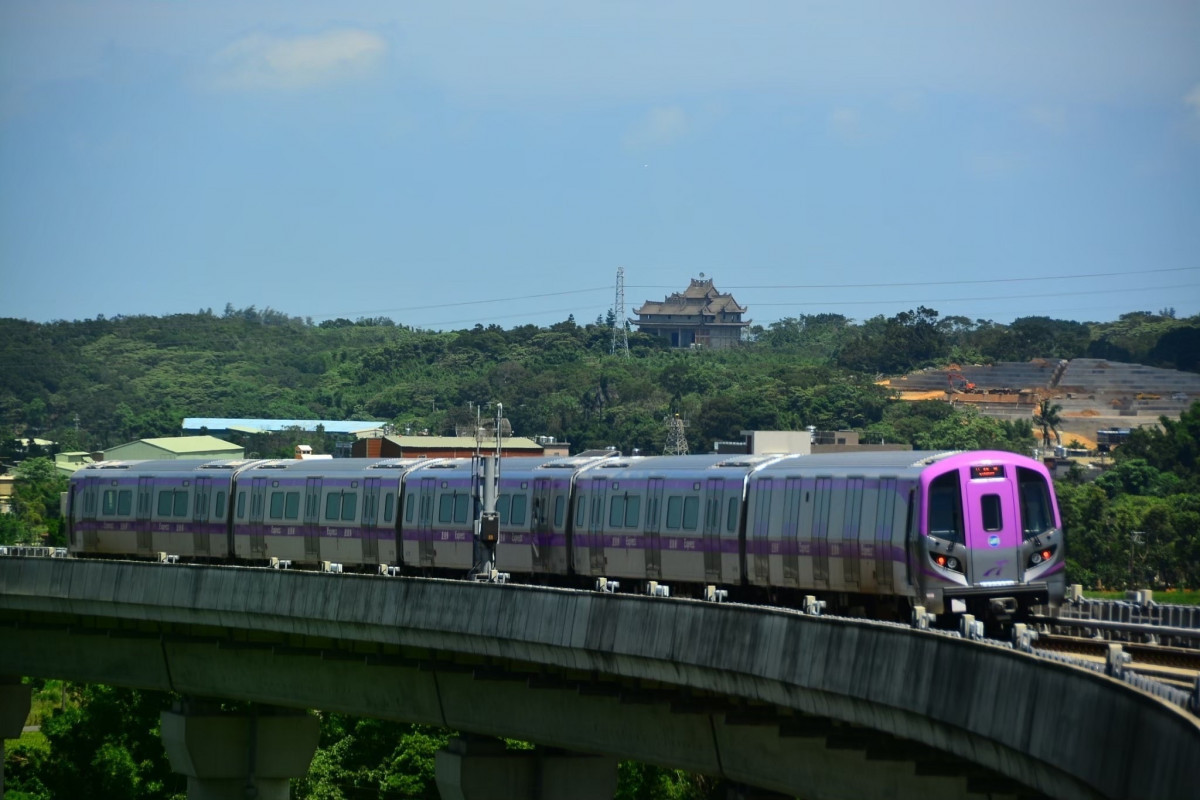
[772, 287]
[977, 299]
[1040, 279]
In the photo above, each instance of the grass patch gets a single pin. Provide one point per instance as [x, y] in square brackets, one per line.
[34, 740]
[1174, 597]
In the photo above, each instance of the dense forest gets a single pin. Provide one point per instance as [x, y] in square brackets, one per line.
[96, 383]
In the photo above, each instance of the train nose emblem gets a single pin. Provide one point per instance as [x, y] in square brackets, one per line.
[994, 540]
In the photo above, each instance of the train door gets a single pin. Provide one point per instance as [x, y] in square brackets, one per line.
[370, 519]
[258, 496]
[596, 525]
[993, 530]
[312, 518]
[762, 531]
[824, 492]
[851, 556]
[790, 546]
[885, 513]
[542, 525]
[200, 513]
[91, 536]
[654, 493]
[145, 537]
[714, 494]
[425, 522]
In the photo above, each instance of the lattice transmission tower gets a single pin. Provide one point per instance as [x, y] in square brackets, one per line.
[620, 331]
[676, 439]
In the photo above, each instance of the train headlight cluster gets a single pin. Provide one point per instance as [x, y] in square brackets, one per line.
[1039, 557]
[948, 562]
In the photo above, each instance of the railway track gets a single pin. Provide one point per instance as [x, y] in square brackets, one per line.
[1176, 666]
[1167, 654]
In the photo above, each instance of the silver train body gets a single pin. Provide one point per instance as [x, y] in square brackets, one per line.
[974, 531]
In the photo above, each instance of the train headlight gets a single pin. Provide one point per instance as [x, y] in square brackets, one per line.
[1038, 557]
[947, 562]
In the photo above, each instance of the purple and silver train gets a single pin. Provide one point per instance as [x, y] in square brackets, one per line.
[872, 533]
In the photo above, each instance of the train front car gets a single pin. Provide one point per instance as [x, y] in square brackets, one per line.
[140, 509]
[990, 536]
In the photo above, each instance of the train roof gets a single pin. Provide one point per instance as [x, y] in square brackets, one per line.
[893, 461]
[877, 459]
[162, 465]
[337, 466]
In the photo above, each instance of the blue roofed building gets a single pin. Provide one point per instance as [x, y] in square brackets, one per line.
[214, 425]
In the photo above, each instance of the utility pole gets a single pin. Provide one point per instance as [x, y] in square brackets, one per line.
[487, 520]
[620, 332]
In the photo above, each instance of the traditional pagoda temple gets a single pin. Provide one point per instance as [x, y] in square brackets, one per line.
[699, 316]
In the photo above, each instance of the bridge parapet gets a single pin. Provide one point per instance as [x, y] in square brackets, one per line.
[237, 632]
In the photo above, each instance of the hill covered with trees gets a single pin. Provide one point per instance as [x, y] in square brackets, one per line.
[95, 383]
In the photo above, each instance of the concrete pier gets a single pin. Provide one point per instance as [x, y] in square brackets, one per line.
[234, 756]
[474, 768]
[15, 700]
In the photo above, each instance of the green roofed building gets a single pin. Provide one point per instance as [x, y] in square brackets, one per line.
[175, 447]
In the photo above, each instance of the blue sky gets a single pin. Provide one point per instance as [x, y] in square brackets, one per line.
[448, 163]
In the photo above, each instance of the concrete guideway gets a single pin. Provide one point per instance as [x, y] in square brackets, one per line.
[818, 707]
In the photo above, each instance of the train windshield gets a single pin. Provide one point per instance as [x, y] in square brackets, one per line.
[945, 509]
[1037, 515]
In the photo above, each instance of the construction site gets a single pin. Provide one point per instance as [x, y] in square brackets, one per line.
[1100, 399]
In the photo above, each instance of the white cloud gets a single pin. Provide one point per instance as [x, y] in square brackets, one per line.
[1193, 100]
[1048, 118]
[300, 62]
[993, 166]
[661, 126]
[845, 123]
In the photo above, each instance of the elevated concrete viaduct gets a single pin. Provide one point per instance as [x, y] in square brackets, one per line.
[809, 706]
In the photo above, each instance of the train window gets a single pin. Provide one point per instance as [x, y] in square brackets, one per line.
[633, 509]
[674, 512]
[460, 507]
[333, 505]
[241, 505]
[277, 499]
[945, 508]
[446, 508]
[691, 512]
[560, 506]
[1036, 515]
[993, 517]
[108, 505]
[220, 504]
[518, 509]
[410, 500]
[291, 506]
[389, 503]
[349, 505]
[165, 499]
[616, 512]
[503, 502]
[731, 515]
[581, 512]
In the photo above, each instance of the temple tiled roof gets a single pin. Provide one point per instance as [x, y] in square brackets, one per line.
[700, 298]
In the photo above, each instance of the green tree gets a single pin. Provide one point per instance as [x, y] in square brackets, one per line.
[1047, 417]
[103, 744]
[36, 490]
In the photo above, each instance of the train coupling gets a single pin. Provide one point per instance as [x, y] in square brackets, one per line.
[1002, 607]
